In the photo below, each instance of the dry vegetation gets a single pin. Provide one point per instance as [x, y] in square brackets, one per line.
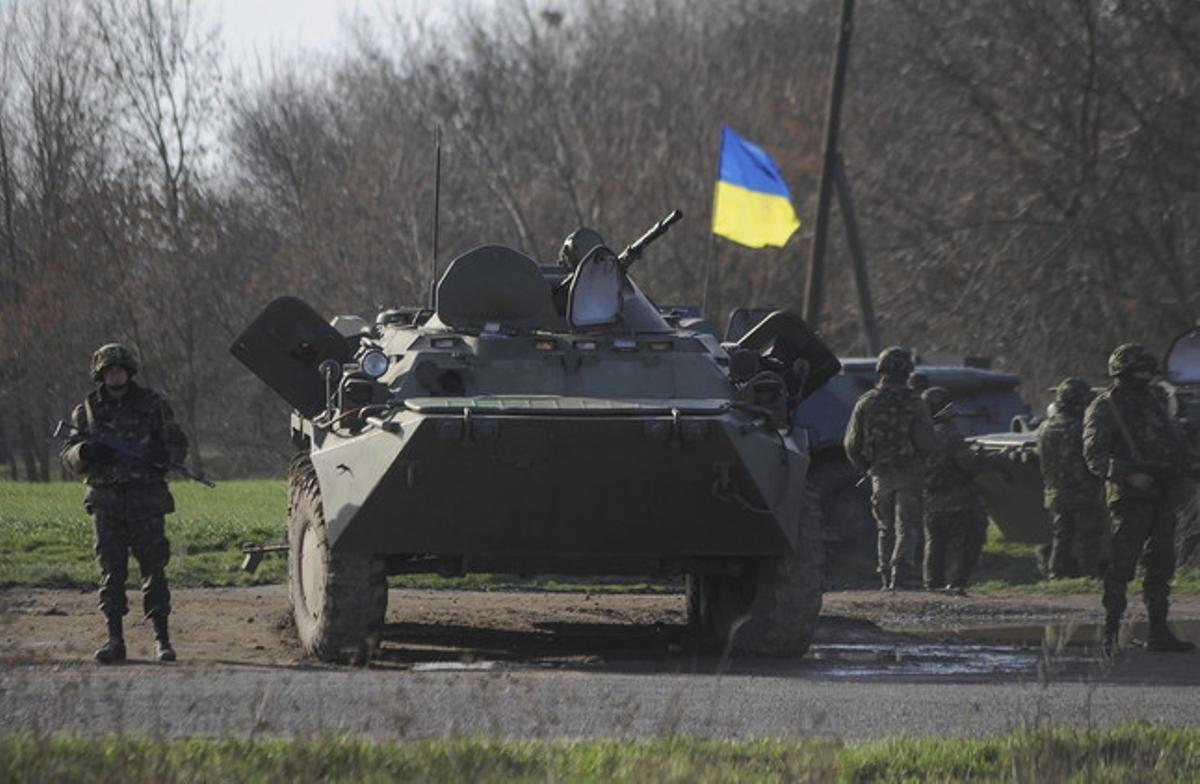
[1025, 174]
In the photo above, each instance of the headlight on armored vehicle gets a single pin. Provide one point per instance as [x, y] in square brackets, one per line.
[374, 363]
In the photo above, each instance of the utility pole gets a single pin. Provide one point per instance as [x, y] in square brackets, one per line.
[816, 264]
[858, 258]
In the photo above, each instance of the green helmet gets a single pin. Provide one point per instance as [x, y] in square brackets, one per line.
[113, 355]
[918, 381]
[1073, 393]
[1130, 358]
[577, 245]
[937, 398]
[894, 361]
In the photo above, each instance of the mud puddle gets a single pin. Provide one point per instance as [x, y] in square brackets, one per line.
[922, 660]
[1055, 636]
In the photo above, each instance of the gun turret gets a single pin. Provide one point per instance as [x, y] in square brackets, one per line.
[631, 253]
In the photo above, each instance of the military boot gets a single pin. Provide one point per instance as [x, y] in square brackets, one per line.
[1112, 635]
[112, 651]
[1161, 639]
[162, 640]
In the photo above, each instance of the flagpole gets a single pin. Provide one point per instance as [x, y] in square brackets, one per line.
[815, 284]
[710, 253]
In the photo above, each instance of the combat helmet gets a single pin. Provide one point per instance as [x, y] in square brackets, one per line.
[1130, 358]
[577, 245]
[894, 361]
[113, 355]
[1072, 393]
[937, 398]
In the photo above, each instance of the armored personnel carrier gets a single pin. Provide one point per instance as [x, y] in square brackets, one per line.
[1181, 369]
[986, 402]
[535, 422]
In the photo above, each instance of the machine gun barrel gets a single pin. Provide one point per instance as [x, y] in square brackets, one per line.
[631, 253]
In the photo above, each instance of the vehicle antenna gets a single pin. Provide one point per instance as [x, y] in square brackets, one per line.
[437, 194]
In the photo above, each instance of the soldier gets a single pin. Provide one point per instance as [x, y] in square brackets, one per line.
[918, 382]
[955, 515]
[575, 248]
[888, 433]
[1073, 495]
[127, 497]
[1131, 443]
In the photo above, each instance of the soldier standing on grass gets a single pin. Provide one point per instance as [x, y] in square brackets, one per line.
[1074, 496]
[127, 496]
[955, 514]
[1131, 442]
[888, 434]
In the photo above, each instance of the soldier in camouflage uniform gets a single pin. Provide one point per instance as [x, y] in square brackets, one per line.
[1073, 495]
[888, 433]
[1130, 441]
[955, 515]
[127, 497]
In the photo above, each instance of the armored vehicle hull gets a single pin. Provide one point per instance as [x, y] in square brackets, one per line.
[502, 434]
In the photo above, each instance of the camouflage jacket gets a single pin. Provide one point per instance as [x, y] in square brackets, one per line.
[1160, 450]
[889, 431]
[950, 471]
[1065, 476]
[126, 486]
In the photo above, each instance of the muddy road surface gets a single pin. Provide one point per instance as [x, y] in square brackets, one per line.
[540, 664]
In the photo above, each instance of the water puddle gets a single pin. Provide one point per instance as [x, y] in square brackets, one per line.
[1056, 636]
[922, 660]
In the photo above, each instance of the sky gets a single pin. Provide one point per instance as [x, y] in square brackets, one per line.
[259, 29]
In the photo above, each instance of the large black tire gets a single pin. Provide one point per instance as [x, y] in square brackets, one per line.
[772, 607]
[338, 599]
[847, 524]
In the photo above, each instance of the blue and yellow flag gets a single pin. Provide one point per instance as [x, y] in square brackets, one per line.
[751, 205]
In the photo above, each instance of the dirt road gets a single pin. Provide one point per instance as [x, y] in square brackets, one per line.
[527, 664]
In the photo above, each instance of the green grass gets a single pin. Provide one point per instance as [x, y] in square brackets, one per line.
[1005, 565]
[47, 541]
[1142, 753]
[48, 536]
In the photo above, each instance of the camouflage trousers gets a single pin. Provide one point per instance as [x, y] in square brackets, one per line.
[953, 541]
[116, 537]
[1079, 547]
[1143, 529]
[897, 509]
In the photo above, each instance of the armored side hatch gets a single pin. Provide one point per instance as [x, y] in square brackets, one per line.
[285, 345]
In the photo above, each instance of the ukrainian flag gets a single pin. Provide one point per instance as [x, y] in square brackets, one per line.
[751, 205]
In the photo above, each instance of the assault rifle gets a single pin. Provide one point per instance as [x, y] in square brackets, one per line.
[946, 413]
[131, 451]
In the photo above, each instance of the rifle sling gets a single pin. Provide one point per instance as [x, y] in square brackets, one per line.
[1126, 435]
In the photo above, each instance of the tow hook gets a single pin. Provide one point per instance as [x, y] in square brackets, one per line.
[253, 554]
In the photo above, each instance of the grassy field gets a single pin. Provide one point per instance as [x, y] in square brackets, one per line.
[47, 541]
[1139, 753]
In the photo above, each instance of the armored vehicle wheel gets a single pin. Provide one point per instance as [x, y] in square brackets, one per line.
[338, 599]
[848, 526]
[772, 607]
